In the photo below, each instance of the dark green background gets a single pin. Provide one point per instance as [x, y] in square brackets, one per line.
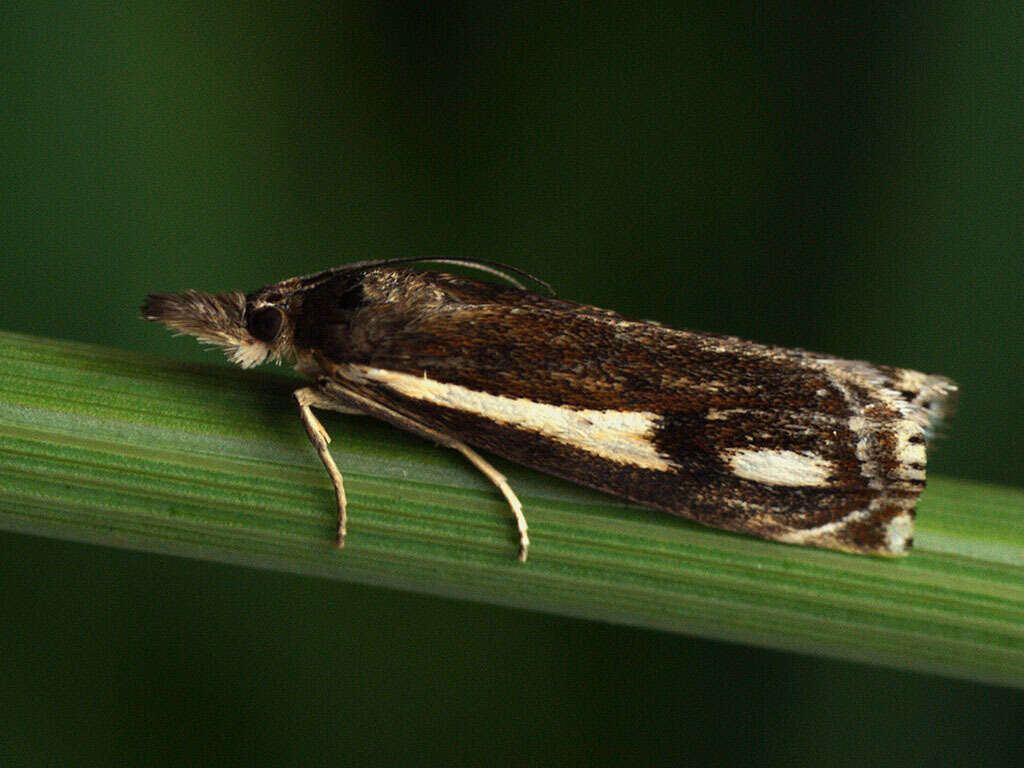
[846, 179]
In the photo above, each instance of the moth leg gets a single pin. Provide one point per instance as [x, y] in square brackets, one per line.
[501, 482]
[306, 397]
[339, 395]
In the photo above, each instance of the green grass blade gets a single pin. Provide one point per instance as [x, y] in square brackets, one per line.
[205, 461]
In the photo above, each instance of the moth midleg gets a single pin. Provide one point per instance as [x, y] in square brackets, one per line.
[336, 397]
[306, 397]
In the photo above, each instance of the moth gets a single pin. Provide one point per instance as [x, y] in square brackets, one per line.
[783, 444]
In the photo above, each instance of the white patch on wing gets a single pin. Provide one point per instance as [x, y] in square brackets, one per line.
[897, 531]
[620, 436]
[822, 532]
[772, 467]
[908, 453]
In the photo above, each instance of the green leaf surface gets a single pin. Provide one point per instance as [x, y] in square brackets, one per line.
[212, 462]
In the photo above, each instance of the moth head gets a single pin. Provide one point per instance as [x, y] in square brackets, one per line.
[250, 329]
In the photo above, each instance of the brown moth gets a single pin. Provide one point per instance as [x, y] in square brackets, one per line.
[779, 443]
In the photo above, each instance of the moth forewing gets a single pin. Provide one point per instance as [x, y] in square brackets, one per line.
[782, 444]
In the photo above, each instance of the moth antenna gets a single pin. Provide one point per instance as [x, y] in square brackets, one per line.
[496, 268]
[493, 268]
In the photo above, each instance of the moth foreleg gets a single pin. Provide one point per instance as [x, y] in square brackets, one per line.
[307, 397]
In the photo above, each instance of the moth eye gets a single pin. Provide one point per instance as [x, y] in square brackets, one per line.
[264, 324]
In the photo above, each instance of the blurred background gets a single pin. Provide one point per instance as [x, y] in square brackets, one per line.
[847, 179]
